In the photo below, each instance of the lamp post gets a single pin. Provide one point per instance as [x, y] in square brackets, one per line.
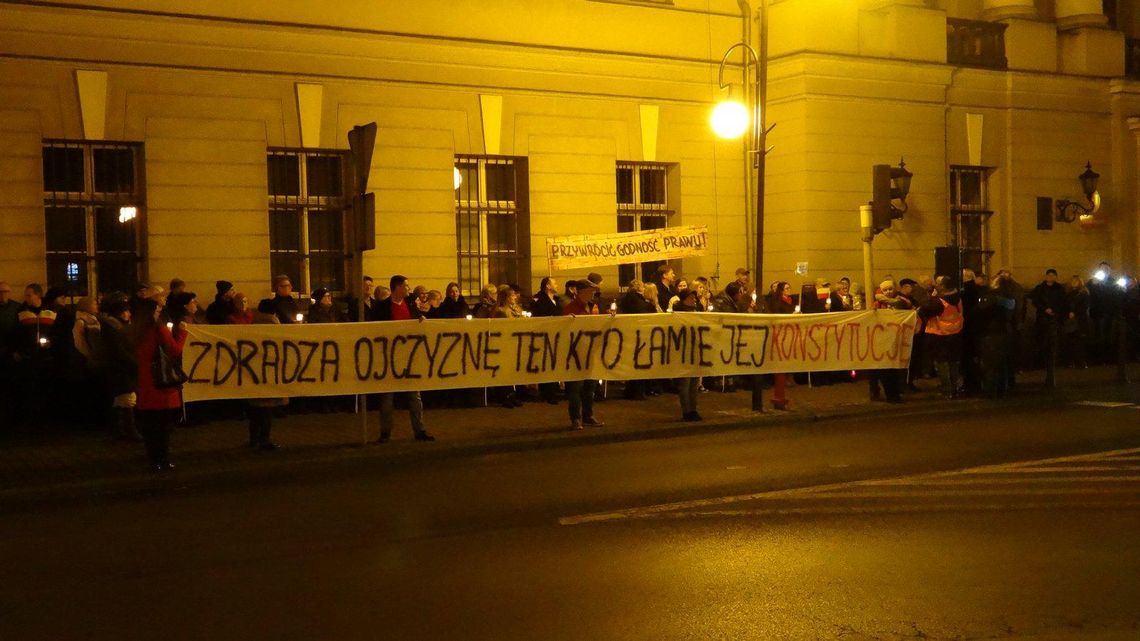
[731, 119]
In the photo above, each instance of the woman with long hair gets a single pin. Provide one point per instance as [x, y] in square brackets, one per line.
[453, 305]
[157, 406]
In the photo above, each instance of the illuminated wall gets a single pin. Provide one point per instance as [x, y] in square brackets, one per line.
[208, 87]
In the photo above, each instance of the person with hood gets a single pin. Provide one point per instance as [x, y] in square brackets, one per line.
[122, 378]
[222, 306]
[943, 316]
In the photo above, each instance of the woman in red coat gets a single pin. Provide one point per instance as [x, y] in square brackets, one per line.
[157, 407]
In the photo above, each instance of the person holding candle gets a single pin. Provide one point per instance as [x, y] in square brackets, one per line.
[283, 304]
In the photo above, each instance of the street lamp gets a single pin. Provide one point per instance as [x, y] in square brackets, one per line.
[1068, 210]
[731, 119]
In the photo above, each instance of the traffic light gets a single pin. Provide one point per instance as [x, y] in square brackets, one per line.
[881, 214]
[888, 184]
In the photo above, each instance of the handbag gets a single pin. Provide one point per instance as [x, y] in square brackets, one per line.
[166, 371]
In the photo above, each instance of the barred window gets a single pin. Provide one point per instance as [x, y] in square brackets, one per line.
[642, 204]
[307, 199]
[492, 221]
[93, 205]
[969, 215]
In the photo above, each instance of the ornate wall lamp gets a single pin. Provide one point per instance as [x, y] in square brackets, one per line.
[1068, 210]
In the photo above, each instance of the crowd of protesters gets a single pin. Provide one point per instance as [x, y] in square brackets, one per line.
[96, 361]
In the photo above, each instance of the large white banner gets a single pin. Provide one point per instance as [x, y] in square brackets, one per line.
[264, 361]
[594, 250]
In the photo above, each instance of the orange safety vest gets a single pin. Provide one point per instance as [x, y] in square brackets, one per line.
[949, 322]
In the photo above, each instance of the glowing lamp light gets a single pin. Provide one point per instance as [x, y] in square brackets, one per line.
[127, 214]
[1122, 282]
[729, 119]
[1100, 275]
[457, 177]
[43, 341]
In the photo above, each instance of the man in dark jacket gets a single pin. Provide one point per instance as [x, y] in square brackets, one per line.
[400, 306]
[1049, 301]
[994, 324]
[666, 278]
[546, 304]
[546, 300]
[283, 304]
[222, 307]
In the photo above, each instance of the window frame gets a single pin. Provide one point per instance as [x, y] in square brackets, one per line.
[91, 202]
[962, 214]
[304, 205]
[639, 211]
[513, 261]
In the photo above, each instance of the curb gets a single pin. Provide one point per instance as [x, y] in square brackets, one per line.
[340, 460]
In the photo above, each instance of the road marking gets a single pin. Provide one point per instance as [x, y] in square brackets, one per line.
[943, 479]
[901, 508]
[1108, 404]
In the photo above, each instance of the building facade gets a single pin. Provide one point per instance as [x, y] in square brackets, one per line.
[147, 140]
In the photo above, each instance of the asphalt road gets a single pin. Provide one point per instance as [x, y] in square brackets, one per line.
[994, 525]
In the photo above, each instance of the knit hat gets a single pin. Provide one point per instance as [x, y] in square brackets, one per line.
[223, 287]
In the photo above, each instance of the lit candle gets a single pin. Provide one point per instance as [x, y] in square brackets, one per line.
[170, 326]
[797, 309]
[300, 317]
[469, 317]
[753, 297]
[710, 308]
[43, 341]
[613, 307]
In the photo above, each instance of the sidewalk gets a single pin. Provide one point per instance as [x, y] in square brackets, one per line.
[71, 464]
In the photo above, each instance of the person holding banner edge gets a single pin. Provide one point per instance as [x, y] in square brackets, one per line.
[400, 306]
[581, 393]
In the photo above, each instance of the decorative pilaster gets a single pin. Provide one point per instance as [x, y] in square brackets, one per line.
[1074, 14]
[997, 10]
